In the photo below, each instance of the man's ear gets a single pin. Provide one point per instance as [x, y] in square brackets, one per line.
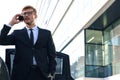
[36, 16]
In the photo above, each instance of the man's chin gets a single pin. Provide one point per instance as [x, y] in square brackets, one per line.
[28, 23]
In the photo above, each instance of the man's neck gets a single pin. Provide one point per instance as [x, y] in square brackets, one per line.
[31, 26]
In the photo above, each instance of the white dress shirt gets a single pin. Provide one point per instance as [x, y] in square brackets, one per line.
[35, 35]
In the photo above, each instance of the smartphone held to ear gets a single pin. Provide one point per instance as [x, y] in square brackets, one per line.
[20, 18]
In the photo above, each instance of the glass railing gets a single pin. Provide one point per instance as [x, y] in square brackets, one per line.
[4, 73]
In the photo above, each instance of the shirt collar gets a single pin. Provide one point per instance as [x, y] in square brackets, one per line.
[34, 28]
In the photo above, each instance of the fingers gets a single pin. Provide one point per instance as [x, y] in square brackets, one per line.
[14, 20]
[50, 76]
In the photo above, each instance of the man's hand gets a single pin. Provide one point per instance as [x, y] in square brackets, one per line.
[14, 20]
[51, 76]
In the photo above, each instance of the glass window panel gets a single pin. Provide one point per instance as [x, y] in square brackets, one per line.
[107, 42]
[94, 47]
[94, 36]
[94, 54]
[111, 41]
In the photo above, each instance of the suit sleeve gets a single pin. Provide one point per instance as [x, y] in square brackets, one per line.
[6, 39]
[51, 55]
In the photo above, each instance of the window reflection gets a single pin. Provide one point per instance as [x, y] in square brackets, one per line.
[102, 52]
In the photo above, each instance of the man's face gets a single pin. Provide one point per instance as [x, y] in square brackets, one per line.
[29, 16]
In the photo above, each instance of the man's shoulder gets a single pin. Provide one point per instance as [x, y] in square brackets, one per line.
[45, 30]
[17, 30]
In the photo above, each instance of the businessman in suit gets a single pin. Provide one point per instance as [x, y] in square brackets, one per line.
[35, 51]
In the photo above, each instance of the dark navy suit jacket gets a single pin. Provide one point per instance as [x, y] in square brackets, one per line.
[43, 50]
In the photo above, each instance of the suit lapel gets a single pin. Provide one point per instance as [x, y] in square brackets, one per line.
[25, 37]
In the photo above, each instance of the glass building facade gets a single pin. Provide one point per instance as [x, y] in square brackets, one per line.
[102, 51]
[102, 44]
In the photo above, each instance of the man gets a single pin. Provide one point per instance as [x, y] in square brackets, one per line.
[35, 51]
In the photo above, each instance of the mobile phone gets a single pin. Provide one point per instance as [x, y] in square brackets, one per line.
[20, 18]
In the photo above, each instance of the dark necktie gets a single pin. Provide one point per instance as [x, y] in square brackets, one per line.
[31, 37]
[32, 42]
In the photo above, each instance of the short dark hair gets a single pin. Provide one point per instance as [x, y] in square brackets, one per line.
[29, 7]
